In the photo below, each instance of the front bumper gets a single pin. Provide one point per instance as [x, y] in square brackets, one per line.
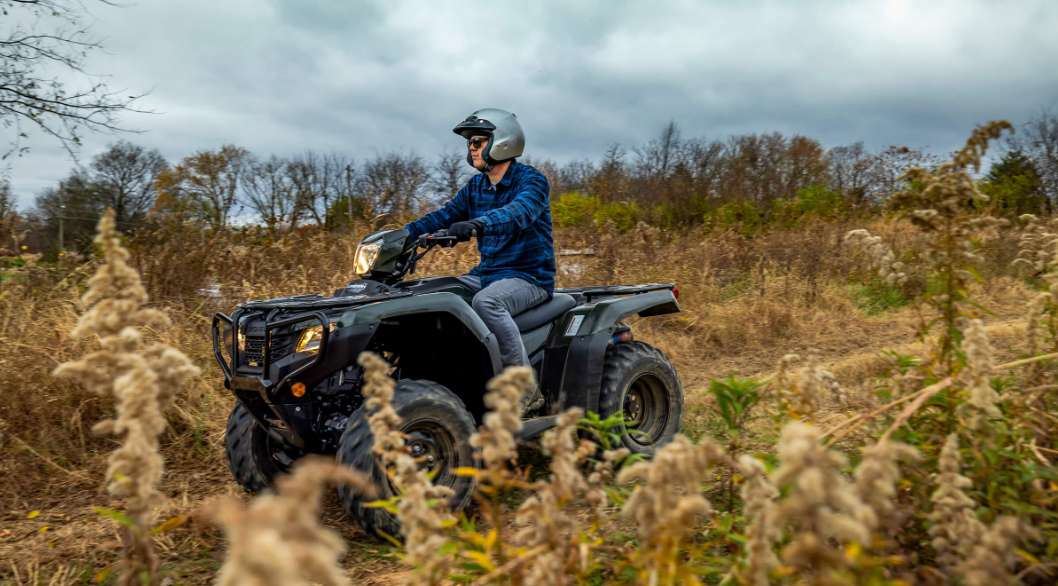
[265, 390]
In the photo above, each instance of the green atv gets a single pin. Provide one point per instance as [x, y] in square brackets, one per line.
[292, 364]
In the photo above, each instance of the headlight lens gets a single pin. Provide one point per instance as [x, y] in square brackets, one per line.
[242, 341]
[310, 339]
[365, 257]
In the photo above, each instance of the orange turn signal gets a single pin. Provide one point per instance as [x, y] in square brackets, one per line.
[298, 389]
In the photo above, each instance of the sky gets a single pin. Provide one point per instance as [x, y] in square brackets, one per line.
[360, 77]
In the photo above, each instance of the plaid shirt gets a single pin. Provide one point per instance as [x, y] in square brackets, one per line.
[516, 215]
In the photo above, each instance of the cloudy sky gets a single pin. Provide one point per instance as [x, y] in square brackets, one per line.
[281, 76]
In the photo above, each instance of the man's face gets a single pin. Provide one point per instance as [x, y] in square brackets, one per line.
[476, 144]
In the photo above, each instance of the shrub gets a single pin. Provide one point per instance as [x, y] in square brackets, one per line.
[573, 210]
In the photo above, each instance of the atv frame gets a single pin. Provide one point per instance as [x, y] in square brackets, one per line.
[292, 401]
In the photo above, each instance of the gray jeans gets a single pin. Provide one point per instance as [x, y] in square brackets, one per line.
[496, 304]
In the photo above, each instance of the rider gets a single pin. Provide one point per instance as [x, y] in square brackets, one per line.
[506, 206]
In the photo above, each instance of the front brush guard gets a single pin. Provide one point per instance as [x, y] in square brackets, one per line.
[231, 370]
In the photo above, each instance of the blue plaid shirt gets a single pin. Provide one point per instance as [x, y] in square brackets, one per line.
[516, 215]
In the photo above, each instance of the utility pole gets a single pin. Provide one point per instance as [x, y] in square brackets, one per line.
[62, 213]
[349, 195]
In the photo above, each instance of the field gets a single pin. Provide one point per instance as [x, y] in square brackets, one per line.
[747, 301]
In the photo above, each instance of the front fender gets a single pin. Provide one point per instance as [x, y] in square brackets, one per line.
[430, 303]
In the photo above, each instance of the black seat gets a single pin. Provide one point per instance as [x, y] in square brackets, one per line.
[545, 312]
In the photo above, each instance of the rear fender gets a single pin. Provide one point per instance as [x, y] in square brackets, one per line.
[577, 345]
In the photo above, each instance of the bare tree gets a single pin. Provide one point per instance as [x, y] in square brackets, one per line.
[705, 159]
[71, 208]
[657, 157]
[890, 164]
[334, 183]
[393, 183]
[40, 41]
[610, 183]
[123, 179]
[850, 172]
[752, 168]
[309, 181]
[268, 191]
[449, 174]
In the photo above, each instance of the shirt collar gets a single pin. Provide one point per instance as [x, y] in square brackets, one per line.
[506, 181]
[507, 176]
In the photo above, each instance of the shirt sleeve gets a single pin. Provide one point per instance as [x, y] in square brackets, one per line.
[456, 210]
[523, 210]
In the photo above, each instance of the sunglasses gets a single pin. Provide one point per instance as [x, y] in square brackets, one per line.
[477, 142]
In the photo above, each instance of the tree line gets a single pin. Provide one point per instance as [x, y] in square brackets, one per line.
[669, 179]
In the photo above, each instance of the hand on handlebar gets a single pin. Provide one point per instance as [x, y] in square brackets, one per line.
[464, 231]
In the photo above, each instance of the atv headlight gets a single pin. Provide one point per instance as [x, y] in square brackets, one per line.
[365, 257]
[310, 339]
[242, 341]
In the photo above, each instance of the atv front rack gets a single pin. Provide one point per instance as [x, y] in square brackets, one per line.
[229, 371]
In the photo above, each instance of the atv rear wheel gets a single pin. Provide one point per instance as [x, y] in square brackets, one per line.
[638, 380]
[437, 427]
[254, 457]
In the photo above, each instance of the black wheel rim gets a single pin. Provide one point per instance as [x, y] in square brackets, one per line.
[646, 409]
[434, 448]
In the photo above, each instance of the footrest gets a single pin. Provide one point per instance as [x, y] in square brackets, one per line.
[534, 427]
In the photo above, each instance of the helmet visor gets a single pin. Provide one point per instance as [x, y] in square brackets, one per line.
[474, 125]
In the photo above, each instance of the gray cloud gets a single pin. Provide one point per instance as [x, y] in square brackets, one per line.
[357, 77]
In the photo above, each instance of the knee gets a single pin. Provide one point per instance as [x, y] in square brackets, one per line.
[485, 304]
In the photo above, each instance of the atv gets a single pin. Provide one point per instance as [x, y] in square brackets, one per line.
[292, 365]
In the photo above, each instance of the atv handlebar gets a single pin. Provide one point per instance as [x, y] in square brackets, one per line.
[438, 238]
[441, 238]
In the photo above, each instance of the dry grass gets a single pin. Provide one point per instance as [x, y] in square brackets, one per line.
[746, 302]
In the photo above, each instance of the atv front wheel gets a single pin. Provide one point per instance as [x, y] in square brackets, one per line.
[254, 457]
[437, 427]
[638, 380]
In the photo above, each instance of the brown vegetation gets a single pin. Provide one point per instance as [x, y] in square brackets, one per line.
[747, 301]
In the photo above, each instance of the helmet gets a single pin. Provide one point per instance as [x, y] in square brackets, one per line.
[506, 138]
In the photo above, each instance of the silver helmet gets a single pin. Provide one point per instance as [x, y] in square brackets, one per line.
[506, 138]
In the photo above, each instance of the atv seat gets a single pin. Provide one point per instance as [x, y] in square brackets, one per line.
[545, 312]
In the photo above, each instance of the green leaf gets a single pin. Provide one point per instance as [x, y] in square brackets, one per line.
[118, 516]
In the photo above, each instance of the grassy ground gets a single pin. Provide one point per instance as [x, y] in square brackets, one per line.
[746, 302]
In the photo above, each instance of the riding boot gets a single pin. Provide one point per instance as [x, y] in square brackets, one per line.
[532, 400]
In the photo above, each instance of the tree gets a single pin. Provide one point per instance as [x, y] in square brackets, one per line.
[850, 172]
[208, 181]
[269, 192]
[70, 208]
[804, 166]
[610, 182]
[1038, 141]
[393, 183]
[888, 166]
[41, 42]
[658, 156]
[1013, 186]
[8, 214]
[449, 174]
[123, 179]
[306, 180]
